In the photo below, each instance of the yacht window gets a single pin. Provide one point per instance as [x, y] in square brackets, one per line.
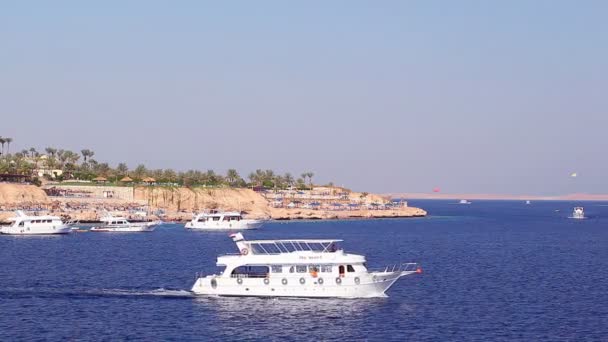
[291, 269]
[202, 219]
[250, 271]
[326, 268]
[216, 218]
[276, 269]
[350, 268]
[21, 224]
[313, 268]
[301, 268]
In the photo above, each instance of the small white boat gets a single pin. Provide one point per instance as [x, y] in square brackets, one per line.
[111, 223]
[528, 202]
[223, 220]
[297, 268]
[464, 202]
[35, 225]
[578, 213]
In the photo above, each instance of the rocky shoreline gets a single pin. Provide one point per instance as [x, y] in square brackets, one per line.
[179, 204]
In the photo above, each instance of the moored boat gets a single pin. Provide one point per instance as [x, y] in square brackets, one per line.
[111, 223]
[35, 225]
[222, 221]
[298, 268]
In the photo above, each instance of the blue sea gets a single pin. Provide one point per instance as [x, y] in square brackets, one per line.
[493, 271]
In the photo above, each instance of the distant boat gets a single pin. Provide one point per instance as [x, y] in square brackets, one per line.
[31, 225]
[223, 220]
[464, 202]
[111, 223]
[528, 202]
[578, 213]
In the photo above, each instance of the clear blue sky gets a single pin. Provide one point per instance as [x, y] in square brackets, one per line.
[385, 96]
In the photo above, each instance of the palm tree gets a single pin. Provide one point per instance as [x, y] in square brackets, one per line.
[232, 176]
[8, 145]
[288, 178]
[252, 178]
[32, 151]
[310, 175]
[86, 153]
[2, 141]
[51, 151]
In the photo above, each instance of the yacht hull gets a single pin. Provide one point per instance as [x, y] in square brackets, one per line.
[123, 229]
[230, 225]
[370, 285]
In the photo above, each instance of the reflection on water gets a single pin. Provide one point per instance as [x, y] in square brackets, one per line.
[231, 306]
[298, 318]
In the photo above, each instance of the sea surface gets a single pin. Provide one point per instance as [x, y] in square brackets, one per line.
[493, 271]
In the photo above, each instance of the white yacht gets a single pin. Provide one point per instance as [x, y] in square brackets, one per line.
[222, 220]
[464, 202]
[578, 213]
[111, 223]
[297, 268]
[528, 202]
[33, 225]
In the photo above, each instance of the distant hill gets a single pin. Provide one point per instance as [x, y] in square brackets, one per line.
[569, 197]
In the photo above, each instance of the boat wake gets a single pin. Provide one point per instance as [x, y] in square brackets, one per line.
[89, 293]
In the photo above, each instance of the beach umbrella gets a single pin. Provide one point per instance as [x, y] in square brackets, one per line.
[126, 179]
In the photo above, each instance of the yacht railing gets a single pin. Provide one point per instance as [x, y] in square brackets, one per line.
[403, 267]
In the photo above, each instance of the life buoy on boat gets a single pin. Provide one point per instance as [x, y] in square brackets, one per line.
[338, 280]
[266, 281]
[284, 281]
[357, 280]
[302, 281]
[320, 281]
[239, 280]
[244, 251]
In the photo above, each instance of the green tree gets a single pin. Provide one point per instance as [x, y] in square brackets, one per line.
[140, 171]
[2, 141]
[122, 169]
[169, 176]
